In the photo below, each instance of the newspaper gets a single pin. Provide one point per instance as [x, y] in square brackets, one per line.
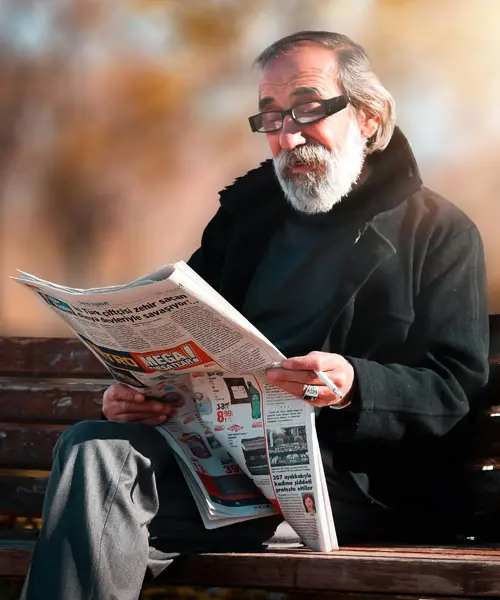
[247, 449]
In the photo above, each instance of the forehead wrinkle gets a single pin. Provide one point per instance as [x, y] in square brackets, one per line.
[322, 81]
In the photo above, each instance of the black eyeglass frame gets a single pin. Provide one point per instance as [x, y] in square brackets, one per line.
[331, 105]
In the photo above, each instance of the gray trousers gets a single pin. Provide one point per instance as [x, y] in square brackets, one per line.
[117, 507]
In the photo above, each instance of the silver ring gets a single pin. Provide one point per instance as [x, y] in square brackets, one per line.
[311, 393]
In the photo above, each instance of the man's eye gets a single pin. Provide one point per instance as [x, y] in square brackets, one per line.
[309, 112]
[271, 119]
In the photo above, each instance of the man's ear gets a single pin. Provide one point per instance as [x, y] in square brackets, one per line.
[368, 124]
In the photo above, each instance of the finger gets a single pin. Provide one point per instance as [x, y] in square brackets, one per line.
[298, 389]
[152, 407]
[155, 421]
[276, 376]
[325, 396]
[140, 418]
[123, 392]
[314, 361]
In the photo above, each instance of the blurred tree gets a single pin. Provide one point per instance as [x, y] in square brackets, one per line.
[111, 115]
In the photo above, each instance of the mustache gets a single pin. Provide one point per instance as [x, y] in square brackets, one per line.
[308, 154]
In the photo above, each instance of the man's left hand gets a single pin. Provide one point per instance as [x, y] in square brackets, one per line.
[297, 373]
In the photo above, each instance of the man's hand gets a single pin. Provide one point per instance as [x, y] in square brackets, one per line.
[297, 373]
[121, 403]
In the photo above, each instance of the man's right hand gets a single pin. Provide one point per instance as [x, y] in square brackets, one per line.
[121, 403]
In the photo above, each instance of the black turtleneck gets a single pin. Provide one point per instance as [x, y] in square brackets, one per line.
[291, 293]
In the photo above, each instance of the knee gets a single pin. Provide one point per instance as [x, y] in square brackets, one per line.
[86, 434]
[90, 439]
[82, 432]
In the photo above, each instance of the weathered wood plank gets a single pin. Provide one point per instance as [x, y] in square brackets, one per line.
[22, 496]
[50, 402]
[48, 356]
[342, 571]
[349, 570]
[62, 356]
[15, 557]
[490, 553]
[160, 591]
[28, 446]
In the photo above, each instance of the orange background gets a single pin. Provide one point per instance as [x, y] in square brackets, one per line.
[120, 121]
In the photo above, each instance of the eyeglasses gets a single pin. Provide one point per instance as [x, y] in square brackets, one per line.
[302, 114]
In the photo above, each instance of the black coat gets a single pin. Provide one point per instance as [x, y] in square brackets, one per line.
[411, 317]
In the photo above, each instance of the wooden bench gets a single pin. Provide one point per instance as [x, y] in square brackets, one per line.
[46, 385]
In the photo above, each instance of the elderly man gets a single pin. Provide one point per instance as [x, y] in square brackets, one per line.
[337, 253]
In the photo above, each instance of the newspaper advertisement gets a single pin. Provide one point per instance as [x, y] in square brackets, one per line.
[247, 449]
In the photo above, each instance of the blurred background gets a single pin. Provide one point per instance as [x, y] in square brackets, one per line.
[120, 121]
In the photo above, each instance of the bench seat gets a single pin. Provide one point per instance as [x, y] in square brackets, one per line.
[458, 572]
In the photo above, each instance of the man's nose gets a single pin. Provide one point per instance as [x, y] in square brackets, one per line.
[291, 134]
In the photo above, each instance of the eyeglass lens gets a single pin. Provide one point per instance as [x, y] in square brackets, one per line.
[303, 114]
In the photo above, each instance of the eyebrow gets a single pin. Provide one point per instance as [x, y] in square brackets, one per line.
[301, 91]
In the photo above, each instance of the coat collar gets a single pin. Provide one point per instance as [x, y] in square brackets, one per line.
[394, 177]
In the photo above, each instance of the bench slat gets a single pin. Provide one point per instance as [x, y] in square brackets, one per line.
[60, 356]
[28, 446]
[22, 496]
[349, 570]
[15, 558]
[48, 356]
[172, 591]
[344, 571]
[51, 402]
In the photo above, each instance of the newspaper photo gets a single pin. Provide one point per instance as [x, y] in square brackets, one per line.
[247, 449]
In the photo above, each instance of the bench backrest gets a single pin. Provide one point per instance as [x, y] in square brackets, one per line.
[46, 385]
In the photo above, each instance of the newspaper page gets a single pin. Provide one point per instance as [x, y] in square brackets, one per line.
[246, 448]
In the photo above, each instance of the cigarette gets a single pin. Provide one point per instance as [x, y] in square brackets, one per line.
[330, 385]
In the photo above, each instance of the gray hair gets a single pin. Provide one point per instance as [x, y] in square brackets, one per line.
[356, 78]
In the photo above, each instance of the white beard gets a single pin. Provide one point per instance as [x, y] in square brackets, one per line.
[313, 194]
